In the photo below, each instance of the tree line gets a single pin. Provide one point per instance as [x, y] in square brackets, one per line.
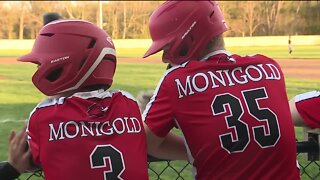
[129, 19]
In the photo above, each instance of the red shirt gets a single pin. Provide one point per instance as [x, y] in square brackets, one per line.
[90, 135]
[234, 115]
[308, 105]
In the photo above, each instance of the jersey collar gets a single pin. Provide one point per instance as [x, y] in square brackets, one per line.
[215, 53]
[90, 94]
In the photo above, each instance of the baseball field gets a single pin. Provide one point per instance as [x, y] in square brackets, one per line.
[18, 95]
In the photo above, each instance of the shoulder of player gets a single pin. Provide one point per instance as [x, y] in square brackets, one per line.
[84, 95]
[47, 103]
[124, 93]
[261, 57]
[176, 69]
[307, 96]
[102, 94]
[50, 102]
[172, 73]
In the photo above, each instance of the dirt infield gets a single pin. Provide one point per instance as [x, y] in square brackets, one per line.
[295, 68]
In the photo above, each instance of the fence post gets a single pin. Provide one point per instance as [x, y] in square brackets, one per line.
[312, 135]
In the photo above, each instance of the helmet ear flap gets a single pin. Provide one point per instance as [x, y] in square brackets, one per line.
[184, 48]
[54, 75]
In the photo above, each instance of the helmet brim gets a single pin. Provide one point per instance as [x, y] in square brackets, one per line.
[154, 48]
[28, 58]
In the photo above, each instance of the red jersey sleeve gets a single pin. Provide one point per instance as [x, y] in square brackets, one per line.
[158, 114]
[308, 105]
[33, 138]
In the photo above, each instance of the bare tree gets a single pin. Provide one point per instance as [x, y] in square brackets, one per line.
[69, 10]
[9, 20]
[252, 16]
[115, 23]
[129, 19]
[124, 30]
[21, 19]
[295, 18]
[272, 9]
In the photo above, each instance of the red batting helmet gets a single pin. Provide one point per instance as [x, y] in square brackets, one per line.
[186, 27]
[71, 54]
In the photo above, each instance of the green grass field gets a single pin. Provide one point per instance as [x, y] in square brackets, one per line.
[18, 95]
[299, 52]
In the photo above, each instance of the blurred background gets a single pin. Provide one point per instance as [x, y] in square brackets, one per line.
[254, 27]
[128, 19]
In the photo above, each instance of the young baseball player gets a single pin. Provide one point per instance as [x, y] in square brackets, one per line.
[305, 109]
[82, 131]
[232, 110]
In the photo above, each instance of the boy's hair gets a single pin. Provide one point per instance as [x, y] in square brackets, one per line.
[51, 16]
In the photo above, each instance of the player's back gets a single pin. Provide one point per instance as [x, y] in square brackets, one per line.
[235, 117]
[90, 135]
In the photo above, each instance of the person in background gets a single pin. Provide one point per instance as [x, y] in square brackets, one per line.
[18, 156]
[226, 105]
[290, 46]
[82, 130]
[305, 109]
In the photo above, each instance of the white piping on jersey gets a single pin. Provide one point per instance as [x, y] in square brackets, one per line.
[148, 106]
[252, 55]
[307, 95]
[174, 67]
[103, 52]
[101, 94]
[49, 102]
[215, 53]
[126, 94]
[45, 103]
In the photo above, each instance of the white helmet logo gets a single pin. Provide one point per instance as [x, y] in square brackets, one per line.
[189, 29]
[110, 40]
[59, 59]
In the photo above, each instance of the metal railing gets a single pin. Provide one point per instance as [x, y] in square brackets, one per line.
[308, 158]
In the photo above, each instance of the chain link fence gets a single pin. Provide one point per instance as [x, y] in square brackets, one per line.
[308, 158]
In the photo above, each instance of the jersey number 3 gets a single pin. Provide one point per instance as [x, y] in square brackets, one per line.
[264, 135]
[98, 158]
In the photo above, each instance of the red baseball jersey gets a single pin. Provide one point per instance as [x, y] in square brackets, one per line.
[308, 105]
[90, 135]
[234, 115]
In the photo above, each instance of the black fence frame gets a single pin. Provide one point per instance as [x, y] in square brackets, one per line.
[308, 148]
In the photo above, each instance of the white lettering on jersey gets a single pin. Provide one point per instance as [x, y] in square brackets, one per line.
[73, 129]
[214, 79]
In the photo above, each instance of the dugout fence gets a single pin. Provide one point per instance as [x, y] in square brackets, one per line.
[308, 158]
